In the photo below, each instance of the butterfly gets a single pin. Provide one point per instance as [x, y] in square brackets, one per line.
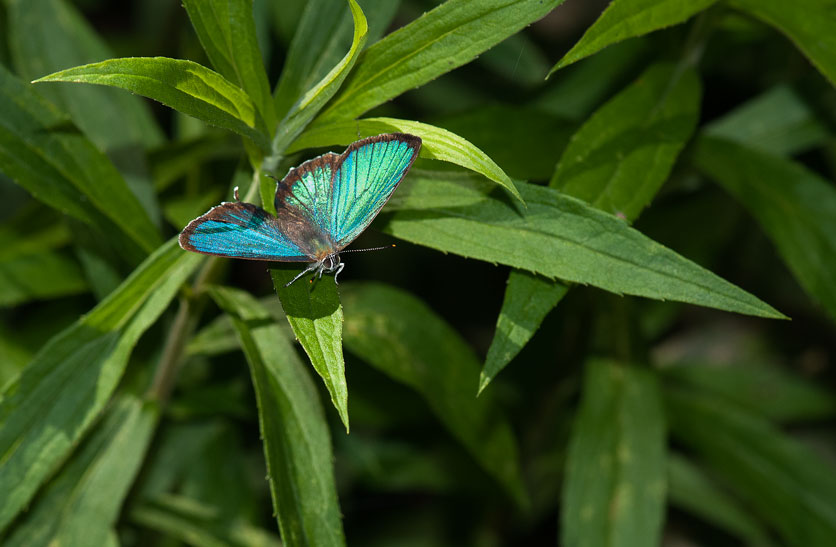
[321, 207]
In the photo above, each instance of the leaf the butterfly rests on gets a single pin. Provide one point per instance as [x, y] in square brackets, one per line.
[321, 207]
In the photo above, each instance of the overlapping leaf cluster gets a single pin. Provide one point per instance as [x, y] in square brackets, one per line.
[120, 426]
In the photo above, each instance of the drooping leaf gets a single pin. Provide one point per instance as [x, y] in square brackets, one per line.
[692, 490]
[524, 141]
[308, 106]
[794, 206]
[81, 504]
[620, 157]
[614, 491]
[763, 389]
[182, 85]
[42, 152]
[445, 38]
[226, 30]
[808, 23]
[438, 144]
[50, 35]
[315, 314]
[59, 394]
[528, 299]
[777, 122]
[297, 445]
[627, 19]
[390, 330]
[198, 524]
[323, 33]
[556, 236]
[785, 483]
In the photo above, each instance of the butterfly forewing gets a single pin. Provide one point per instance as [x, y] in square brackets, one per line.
[240, 230]
[367, 175]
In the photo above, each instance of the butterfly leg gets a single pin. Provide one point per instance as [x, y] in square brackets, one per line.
[310, 267]
[338, 269]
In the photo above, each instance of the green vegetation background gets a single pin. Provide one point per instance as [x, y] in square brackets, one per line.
[621, 234]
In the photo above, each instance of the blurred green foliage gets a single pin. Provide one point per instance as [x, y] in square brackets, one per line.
[681, 152]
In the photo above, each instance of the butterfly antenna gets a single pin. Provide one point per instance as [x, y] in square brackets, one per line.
[370, 249]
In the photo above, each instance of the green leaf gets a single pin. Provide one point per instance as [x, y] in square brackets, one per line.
[438, 144]
[692, 490]
[518, 59]
[523, 140]
[777, 122]
[528, 299]
[620, 157]
[226, 30]
[556, 236]
[43, 153]
[319, 41]
[65, 387]
[178, 159]
[614, 493]
[39, 276]
[198, 524]
[182, 85]
[81, 504]
[808, 23]
[627, 19]
[297, 445]
[795, 207]
[314, 312]
[447, 37]
[50, 35]
[390, 330]
[309, 105]
[763, 389]
[785, 483]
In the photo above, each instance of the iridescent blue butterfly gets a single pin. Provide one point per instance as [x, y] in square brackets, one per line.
[321, 207]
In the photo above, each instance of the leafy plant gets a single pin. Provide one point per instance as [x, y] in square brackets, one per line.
[148, 391]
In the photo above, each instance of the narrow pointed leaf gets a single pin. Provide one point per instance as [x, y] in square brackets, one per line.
[794, 206]
[42, 152]
[50, 35]
[297, 445]
[82, 503]
[614, 491]
[226, 30]
[620, 157]
[389, 329]
[691, 489]
[59, 394]
[182, 85]
[316, 317]
[616, 161]
[447, 37]
[556, 236]
[323, 33]
[437, 144]
[808, 23]
[309, 105]
[785, 483]
[528, 299]
[627, 19]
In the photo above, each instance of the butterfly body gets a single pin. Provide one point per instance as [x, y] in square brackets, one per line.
[321, 207]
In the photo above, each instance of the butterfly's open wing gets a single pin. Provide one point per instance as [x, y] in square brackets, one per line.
[240, 230]
[365, 178]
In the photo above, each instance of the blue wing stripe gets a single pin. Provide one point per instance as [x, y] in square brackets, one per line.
[240, 230]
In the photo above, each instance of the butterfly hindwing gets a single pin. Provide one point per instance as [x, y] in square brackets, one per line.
[240, 230]
[366, 176]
